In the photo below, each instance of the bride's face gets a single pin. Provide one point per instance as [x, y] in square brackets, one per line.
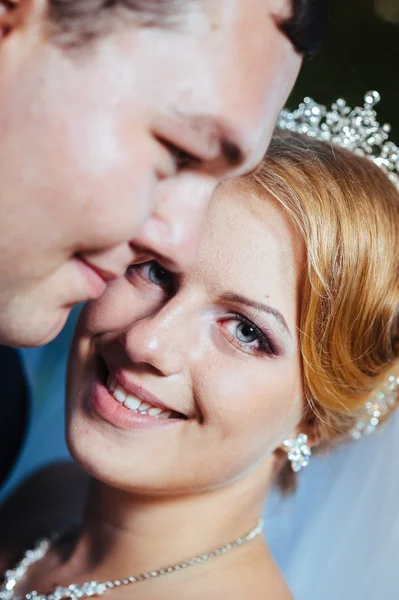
[213, 353]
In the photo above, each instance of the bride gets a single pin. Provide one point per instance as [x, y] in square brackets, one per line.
[189, 396]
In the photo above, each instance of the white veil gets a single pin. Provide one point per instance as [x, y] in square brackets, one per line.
[336, 538]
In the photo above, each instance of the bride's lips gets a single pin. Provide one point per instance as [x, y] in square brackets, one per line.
[104, 405]
[137, 390]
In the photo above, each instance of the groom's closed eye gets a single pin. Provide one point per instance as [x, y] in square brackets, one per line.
[199, 139]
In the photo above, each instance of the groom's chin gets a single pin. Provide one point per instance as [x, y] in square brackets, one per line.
[37, 328]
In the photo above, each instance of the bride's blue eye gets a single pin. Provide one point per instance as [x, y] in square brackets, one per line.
[247, 336]
[151, 271]
[158, 274]
[246, 333]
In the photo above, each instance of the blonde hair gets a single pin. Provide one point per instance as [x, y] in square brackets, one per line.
[347, 212]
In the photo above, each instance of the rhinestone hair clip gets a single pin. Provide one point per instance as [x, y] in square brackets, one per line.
[355, 129]
[379, 406]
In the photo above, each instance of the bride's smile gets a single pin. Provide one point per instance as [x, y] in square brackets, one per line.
[198, 374]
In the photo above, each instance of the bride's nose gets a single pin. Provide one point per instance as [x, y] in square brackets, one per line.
[161, 341]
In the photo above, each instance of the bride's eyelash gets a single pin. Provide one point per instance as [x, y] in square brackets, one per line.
[265, 342]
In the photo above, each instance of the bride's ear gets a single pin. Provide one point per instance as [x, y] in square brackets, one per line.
[309, 426]
[17, 15]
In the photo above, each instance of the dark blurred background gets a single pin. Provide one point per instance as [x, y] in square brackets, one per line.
[361, 53]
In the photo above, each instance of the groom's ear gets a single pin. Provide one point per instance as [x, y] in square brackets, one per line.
[17, 16]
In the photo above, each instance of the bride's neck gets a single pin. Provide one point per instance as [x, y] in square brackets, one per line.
[125, 534]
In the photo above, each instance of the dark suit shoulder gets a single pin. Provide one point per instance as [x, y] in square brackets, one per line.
[14, 399]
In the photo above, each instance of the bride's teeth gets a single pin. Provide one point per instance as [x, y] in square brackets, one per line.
[132, 403]
[164, 415]
[119, 394]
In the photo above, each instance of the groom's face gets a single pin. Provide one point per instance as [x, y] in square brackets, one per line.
[114, 150]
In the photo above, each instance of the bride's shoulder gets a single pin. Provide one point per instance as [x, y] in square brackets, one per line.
[260, 579]
[246, 590]
[257, 580]
[269, 592]
[271, 587]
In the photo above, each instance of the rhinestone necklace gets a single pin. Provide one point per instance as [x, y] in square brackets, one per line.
[96, 588]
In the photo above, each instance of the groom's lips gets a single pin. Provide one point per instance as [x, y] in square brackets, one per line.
[96, 279]
[105, 274]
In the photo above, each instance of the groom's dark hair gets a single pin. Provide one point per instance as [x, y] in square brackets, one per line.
[79, 21]
[307, 25]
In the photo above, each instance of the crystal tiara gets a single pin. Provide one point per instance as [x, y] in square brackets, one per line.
[355, 129]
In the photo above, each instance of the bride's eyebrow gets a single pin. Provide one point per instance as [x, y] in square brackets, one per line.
[233, 297]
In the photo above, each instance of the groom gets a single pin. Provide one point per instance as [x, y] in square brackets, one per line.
[117, 121]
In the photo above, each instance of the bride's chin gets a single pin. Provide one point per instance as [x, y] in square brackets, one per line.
[101, 449]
